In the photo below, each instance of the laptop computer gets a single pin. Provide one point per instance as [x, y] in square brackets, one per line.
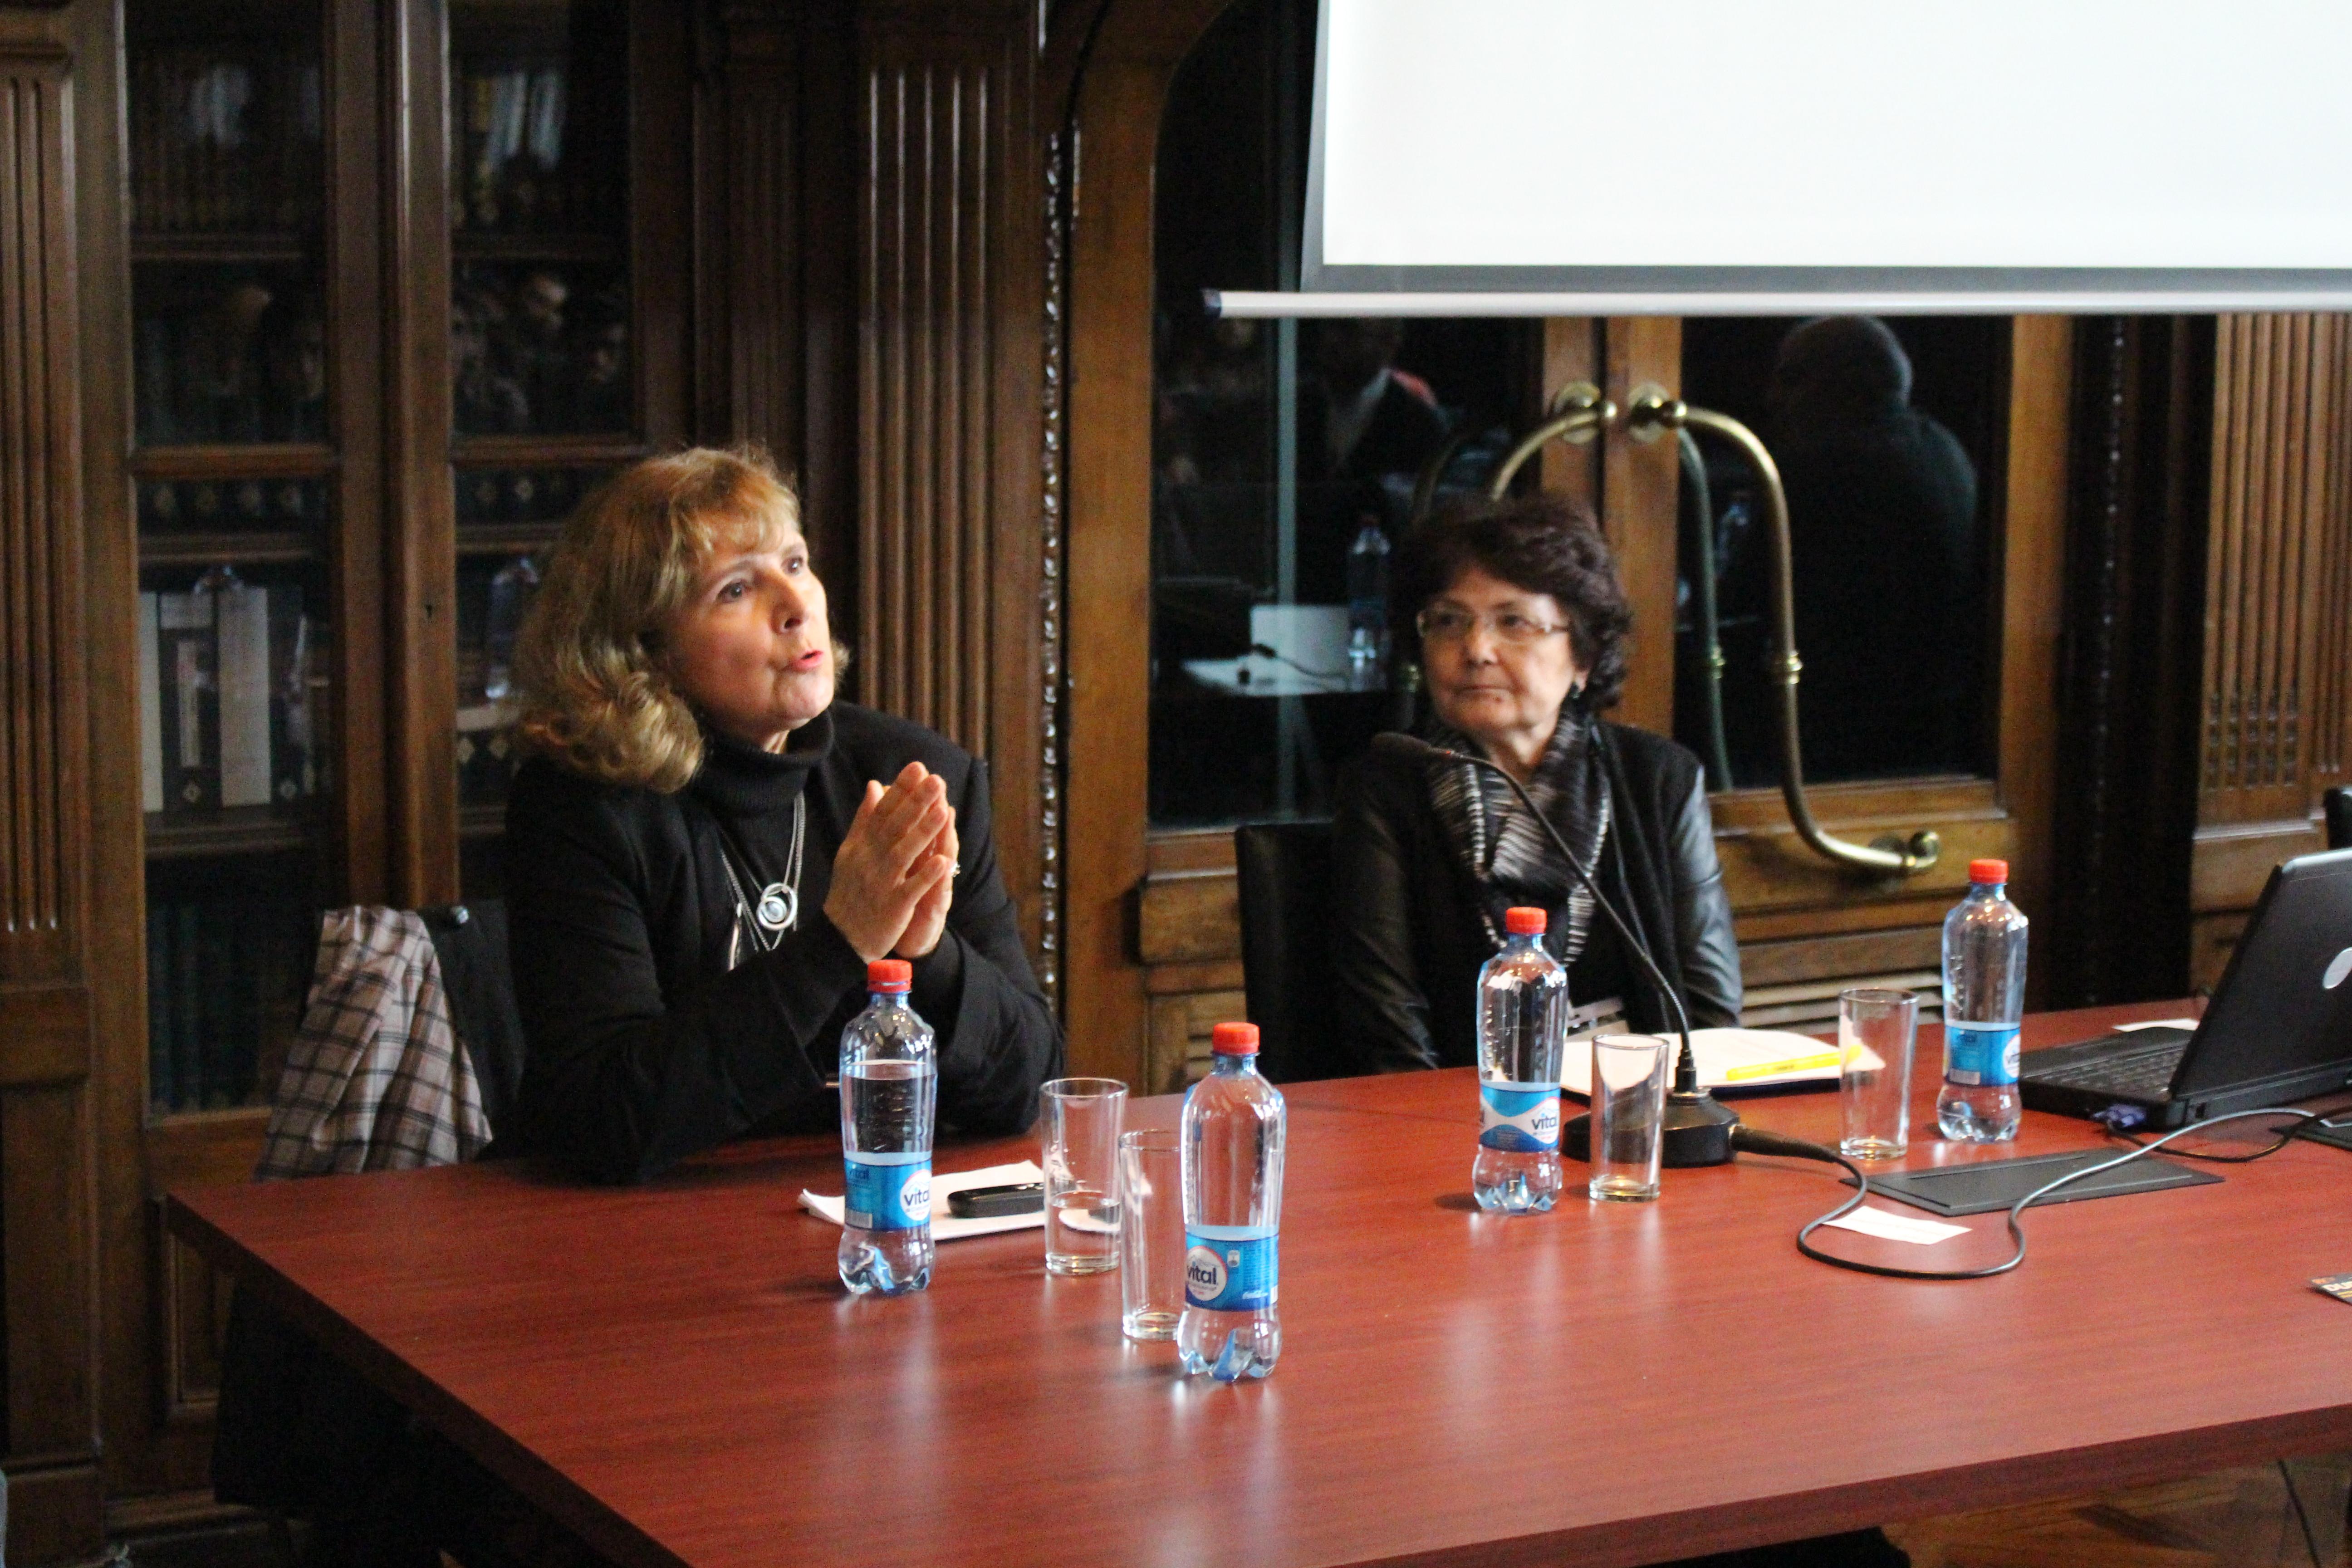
[2279, 1029]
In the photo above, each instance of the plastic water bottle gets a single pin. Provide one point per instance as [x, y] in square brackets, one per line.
[1232, 1151]
[1368, 601]
[888, 1089]
[1984, 998]
[1522, 1024]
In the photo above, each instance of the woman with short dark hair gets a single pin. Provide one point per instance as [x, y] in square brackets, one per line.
[1521, 622]
[706, 848]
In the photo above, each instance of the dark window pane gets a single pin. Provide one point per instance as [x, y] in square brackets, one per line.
[1888, 439]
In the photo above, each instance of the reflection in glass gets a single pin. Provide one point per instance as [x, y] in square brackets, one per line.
[493, 593]
[225, 151]
[1285, 454]
[539, 320]
[540, 349]
[1880, 431]
[229, 942]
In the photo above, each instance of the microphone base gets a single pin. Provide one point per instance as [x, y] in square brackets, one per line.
[1697, 1134]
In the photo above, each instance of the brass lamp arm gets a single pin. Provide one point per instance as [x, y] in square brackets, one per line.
[1578, 415]
[1654, 412]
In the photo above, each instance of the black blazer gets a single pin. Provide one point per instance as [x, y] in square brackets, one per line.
[1407, 943]
[642, 1047]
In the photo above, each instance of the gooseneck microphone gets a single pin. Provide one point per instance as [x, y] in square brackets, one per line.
[1698, 1126]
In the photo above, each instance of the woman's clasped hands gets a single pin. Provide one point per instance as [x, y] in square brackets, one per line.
[893, 875]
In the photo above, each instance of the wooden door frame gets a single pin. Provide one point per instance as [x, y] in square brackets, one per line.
[1120, 97]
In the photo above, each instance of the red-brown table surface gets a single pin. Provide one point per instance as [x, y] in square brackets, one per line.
[675, 1371]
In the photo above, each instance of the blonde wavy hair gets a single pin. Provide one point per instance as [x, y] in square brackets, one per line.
[595, 695]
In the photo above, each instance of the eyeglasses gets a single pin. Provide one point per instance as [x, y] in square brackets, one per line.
[1444, 623]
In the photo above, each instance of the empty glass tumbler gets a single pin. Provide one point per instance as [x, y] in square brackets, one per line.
[1875, 1031]
[1078, 1132]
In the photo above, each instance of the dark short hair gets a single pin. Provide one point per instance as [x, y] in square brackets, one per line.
[1541, 543]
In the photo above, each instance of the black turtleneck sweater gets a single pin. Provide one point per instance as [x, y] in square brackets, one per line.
[644, 1048]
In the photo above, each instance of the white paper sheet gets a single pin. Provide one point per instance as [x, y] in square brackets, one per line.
[946, 1226]
[2190, 1024]
[1877, 1222]
[1721, 1050]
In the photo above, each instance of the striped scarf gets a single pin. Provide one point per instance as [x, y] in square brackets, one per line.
[1511, 858]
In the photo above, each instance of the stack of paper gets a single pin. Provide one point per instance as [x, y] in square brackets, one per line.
[1730, 1060]
[945, 1227]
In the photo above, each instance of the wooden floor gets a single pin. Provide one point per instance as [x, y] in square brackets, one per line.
[2232, 1518]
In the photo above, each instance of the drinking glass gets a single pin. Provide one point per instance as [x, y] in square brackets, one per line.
[1876, 1032]
[1629, 1108]
[1080, 1130]
[1151, 1235]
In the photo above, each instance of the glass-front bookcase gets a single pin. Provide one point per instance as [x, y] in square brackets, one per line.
[542, 351]
[233, 466]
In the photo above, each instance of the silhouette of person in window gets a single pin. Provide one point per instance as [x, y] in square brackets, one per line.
[1365, 428]
[1882, 519]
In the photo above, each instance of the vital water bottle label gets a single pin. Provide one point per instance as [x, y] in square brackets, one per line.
[887, 1192]
[1229, 1268]
[1522, 1118]
[1979, 1056]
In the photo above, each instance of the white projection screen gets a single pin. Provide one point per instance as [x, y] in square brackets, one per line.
[1517, 157]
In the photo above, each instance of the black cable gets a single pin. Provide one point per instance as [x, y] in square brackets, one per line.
[2284, 1139]
[1338, 676]
[1756, 1140]
[1418, 750]
[2310, 1541]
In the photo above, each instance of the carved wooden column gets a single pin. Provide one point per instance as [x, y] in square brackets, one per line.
[2277, 687]
[951, 338]
[48, 1286]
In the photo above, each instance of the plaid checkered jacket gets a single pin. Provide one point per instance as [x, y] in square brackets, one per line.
[376, 1079]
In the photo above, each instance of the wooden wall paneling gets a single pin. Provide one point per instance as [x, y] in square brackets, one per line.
[748, 182]
[826, 235]
[1571, 350]
[951, 340]
[421, 543]
[1639, 483]
[2032, 607]
[2129, 740]
[118, 861]
[49, 1387]
[1109, 547]
[353, 60]
[662, 281]
[44, 824]
[2278, 591]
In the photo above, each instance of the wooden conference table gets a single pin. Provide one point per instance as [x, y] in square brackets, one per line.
[675, 1371]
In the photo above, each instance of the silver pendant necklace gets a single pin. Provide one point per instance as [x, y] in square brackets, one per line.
[777, 910]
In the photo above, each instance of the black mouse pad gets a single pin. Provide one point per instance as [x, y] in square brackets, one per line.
[2326, 1132]
[1984, 1186]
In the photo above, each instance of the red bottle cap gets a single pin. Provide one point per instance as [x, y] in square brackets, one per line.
[890, 974]
[1987, 870]
[1526, 922]
[1233, 1039]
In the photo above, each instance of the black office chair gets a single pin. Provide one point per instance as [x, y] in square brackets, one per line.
[1286, 897]
[2338, 804]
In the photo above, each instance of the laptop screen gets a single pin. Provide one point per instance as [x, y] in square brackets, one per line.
[2284, 1005]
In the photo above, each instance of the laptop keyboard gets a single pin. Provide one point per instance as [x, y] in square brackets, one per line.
[2141, 1075]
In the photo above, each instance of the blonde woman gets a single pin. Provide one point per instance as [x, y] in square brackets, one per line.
[706, 848]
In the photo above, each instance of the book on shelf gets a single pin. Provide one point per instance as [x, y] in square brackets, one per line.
[151, 709]
[162, 1076]
[227, 977]
[189, 699]
[241, 617]
[230, 673]
[187, 1008]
